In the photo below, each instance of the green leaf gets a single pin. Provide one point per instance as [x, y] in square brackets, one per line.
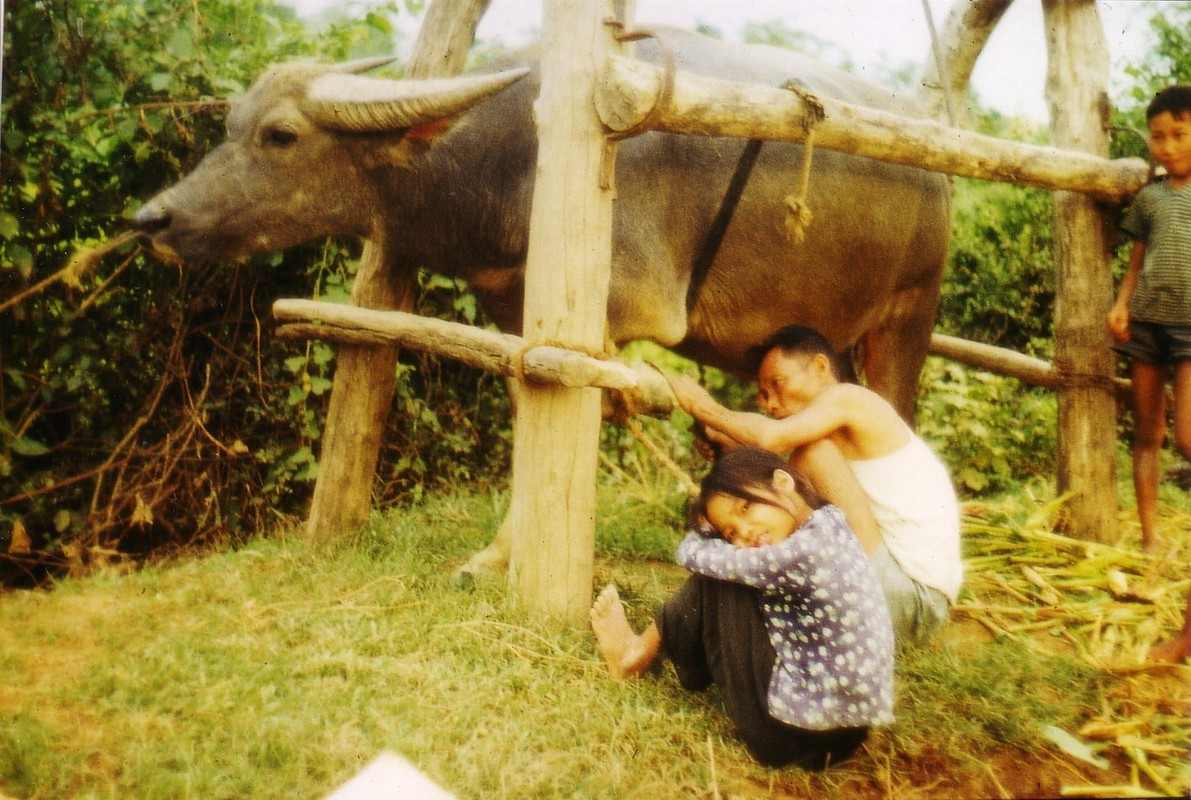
[318, 385]
[28, 447]
[9, 225]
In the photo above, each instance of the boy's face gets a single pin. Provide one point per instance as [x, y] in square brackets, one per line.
[788, 383]
[1170, 144]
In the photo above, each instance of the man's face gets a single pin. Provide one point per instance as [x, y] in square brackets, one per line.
[787, 383]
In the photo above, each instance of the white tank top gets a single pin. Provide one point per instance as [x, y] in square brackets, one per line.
[916, 509]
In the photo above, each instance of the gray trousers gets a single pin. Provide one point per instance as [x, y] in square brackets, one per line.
[918, 611]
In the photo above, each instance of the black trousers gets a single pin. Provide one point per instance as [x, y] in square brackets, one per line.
[713, 632]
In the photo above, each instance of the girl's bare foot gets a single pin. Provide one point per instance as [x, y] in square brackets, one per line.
[627, 654]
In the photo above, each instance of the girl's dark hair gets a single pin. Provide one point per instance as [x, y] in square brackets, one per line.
[1175, 100]
[796, 340]
[740, 473]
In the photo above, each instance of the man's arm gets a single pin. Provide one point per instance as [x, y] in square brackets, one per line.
[817, 421]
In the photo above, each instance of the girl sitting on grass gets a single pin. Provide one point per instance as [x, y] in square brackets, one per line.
[783, 613]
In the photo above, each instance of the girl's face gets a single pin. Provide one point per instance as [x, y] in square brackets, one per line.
[1170, 143]
[768, 520]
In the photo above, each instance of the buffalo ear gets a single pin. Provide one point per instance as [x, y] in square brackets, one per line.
[429, 131]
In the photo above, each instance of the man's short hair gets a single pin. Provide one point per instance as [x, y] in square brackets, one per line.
[794, 340]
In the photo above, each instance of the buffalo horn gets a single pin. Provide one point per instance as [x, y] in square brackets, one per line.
[373, 105]
[362, 64]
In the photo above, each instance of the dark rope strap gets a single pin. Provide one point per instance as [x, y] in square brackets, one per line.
[710, 245]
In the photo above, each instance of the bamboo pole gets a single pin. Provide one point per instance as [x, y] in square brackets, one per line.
[1077, 77]
[715, 107]
[362, 393]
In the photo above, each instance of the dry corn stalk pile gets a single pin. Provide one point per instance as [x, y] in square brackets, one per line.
[1107, 606]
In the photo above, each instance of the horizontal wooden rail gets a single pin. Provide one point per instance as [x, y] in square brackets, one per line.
[716, 107]
[1002, 361]
[645, 389]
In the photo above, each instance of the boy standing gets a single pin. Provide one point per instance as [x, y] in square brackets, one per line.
[861, 456]
[1151, 318]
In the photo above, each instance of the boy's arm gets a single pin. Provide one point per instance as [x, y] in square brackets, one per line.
[1118, 316]
[820, 419]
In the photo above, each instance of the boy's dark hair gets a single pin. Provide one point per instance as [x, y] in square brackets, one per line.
[794, 340]
[1175, 100]
[738, 473]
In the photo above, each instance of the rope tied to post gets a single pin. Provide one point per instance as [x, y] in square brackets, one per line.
[518, 358]
[660, 103]
[798, 212]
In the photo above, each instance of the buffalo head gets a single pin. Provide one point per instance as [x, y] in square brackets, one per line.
[297, 163]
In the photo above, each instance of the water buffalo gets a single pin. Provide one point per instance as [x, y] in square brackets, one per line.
[315, 150]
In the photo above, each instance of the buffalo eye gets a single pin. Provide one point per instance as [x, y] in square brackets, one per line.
[280, 137]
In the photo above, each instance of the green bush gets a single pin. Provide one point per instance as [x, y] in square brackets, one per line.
[992, 432]
[144, 404]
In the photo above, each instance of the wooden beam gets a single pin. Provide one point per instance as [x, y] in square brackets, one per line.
[1002, 361]
[646, 390]
[362, 393]
[714, 107]
[961, 41]
[567, 272]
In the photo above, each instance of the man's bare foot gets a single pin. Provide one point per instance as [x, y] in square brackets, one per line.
[1176, 651]
[1151, 545]
[625, 652]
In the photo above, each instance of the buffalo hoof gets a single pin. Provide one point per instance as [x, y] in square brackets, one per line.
[488, 562]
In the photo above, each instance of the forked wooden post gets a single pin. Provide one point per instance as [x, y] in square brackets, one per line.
[362, 394]
[1076, 91]
[556, 434]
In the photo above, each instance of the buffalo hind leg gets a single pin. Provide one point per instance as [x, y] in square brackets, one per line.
[895, 349]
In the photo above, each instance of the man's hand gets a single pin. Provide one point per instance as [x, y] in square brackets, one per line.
[688, 392]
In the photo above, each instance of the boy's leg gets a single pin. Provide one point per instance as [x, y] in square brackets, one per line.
[1182, 407]
[1149, 406]
[1177, 649]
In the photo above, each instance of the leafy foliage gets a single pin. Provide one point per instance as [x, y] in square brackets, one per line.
[1169, 62]
[146, 404]
[1000, 286]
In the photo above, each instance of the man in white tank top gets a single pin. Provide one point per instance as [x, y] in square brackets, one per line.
[861, 456]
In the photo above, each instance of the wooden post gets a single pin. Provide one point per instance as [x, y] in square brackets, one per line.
[364, 375]
[1077, 76]
[556, 434]
[961, 40]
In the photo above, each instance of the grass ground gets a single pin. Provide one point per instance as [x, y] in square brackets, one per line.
[273, 671]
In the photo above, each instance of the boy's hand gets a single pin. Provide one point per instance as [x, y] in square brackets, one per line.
[1118, 324]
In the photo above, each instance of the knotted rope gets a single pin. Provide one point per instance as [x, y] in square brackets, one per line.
[798, 213]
